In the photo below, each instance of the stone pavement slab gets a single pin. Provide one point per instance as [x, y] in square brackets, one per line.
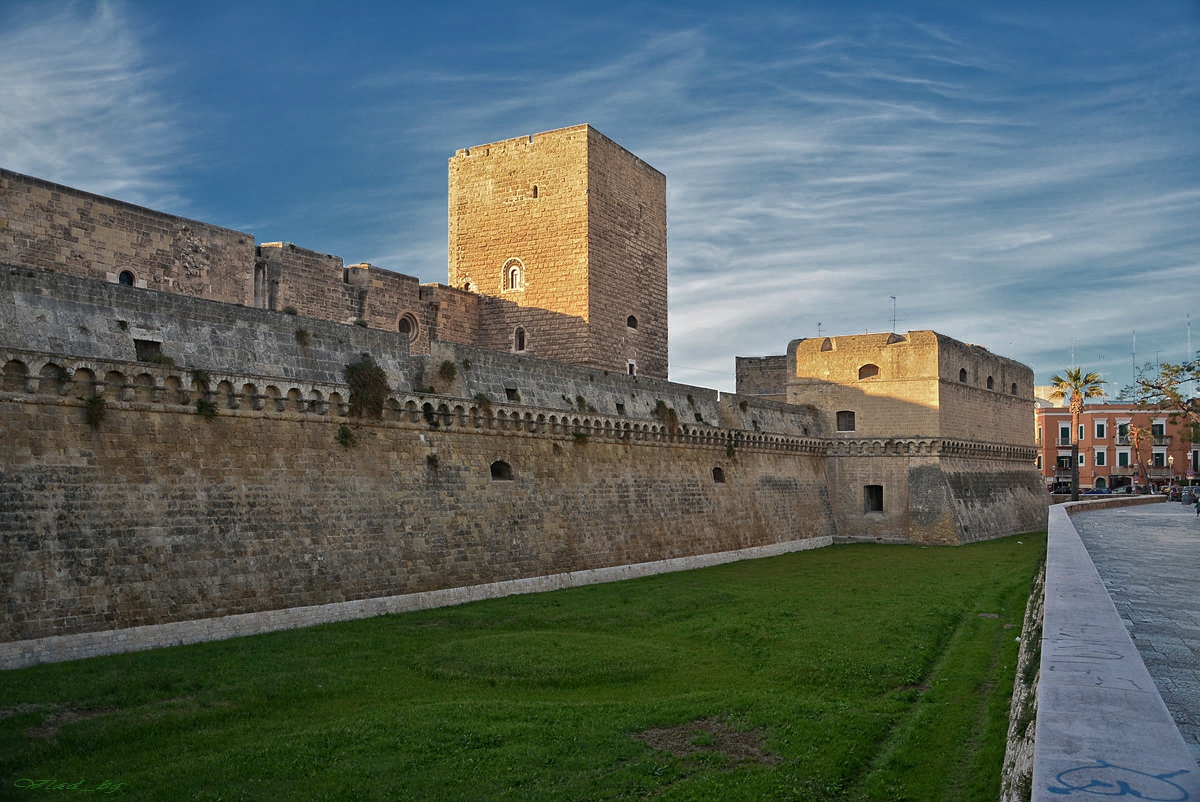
[1102, 727]
[1149, 560]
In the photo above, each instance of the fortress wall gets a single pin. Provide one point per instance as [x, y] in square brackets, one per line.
[312, 282]
[995, 498]
[389, 296]
[762, 375]
[159, 516]
[66, 315]
[558, 386]
[931, 496]
[49, 226]
[449, 314]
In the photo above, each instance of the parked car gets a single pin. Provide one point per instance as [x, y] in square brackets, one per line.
[1097, 491]
[1188, 495]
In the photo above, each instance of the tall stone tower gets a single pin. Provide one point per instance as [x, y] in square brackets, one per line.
[565, 233]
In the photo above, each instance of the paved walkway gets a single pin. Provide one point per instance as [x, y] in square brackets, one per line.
[1149, 560]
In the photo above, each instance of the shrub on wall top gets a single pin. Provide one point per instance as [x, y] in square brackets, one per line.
[368, 388]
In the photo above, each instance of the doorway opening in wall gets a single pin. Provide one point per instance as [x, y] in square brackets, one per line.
[873, 498]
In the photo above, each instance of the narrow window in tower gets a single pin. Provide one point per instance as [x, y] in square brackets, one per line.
[126, 278]
[631, 322]
[535, 190]
[519, 339]
[512, 277]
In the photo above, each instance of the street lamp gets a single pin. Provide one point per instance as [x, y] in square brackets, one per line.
[1171, 466]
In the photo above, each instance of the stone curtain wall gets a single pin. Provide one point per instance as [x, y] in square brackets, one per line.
[934, 491]
[159, 516]
[53, 227]
[762, 375]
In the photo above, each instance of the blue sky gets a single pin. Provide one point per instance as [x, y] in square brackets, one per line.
[1022, 176]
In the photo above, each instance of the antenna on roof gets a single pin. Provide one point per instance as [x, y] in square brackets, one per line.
[893, 297]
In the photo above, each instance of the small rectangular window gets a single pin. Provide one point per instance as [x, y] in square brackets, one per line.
[1100, 431]
[873, 498]
[1039, 462]
[1158, 429]
[1081, 432]
[1160, 459]
[620, 408]
[1082, 460]
[1122, 459]
[1101, 459]
[511, 394]
[845, 421]
[147, 350]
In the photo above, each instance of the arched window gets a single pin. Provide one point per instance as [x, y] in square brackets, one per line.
[1014, 388]
[631, 322]
[519, 339]
[868, 371]
[962, 375]
[514, 278]
[991, 385]
[126, 278]
[719, 476]
[502, 471]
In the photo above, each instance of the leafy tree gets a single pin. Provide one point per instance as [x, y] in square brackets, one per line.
[1077, 387]
[1172, 388]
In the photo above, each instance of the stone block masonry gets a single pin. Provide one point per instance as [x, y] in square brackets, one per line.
[159, 517]
[52, 227]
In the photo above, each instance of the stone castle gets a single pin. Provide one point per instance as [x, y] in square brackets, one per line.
[179, 465]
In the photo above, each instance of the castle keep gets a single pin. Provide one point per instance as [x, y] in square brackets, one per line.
[178, 462]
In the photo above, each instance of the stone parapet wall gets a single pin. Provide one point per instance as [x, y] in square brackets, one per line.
[55, 315]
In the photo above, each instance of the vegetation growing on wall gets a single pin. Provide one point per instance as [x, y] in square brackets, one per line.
[290, 310]
[206, 409]
[666, 415]
[447, 371]
[484, 403]
[368, 388]
[94, 409]
[303, 338]
[345, 437]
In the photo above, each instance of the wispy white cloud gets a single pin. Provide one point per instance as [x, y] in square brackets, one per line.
[80, 105]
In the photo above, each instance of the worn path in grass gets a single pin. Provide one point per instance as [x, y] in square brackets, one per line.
[1149, 559]
[848, 673]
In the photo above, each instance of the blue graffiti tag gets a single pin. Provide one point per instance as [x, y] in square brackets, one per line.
[1108, 779]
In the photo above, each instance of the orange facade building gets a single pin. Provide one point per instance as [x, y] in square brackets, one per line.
[1113, 451]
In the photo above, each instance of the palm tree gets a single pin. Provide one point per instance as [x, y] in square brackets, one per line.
[1078, 387]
